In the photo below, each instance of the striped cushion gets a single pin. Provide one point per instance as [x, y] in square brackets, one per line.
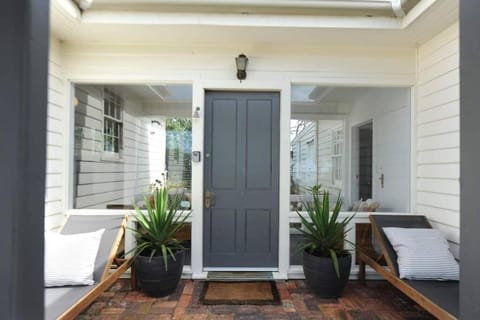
[423, 254]
[70, 259]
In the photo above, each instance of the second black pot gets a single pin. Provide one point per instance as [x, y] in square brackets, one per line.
[321, 277]
[152, 277]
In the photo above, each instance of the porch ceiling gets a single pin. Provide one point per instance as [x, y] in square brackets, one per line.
[122, 23]
[273, 7]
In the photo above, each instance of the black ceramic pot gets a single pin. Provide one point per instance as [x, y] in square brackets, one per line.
[321, 277]
[152, 277]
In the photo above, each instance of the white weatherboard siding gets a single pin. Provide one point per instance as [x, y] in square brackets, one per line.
[438, 134]
[268, 64]
[100, 180]
[55, 191]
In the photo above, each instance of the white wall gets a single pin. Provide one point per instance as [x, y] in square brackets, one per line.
[438, 136]
[56, 138]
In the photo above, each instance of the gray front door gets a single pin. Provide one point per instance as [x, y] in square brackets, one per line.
[241, 179]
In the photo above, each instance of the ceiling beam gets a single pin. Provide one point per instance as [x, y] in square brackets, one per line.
[320, 4]
[240, 20]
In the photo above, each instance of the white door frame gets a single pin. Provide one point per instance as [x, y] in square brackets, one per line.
[354, 147]
[199, 88]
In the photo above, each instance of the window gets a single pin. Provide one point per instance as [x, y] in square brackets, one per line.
[316, 142]
[148, 126]
[112, 121]
[337, 156]
[316, 148]
[178, 148]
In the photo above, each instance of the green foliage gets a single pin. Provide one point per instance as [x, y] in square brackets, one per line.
[179, 124]
[324, 235]
[158, 226]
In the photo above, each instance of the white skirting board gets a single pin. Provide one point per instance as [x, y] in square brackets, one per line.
[294, 272]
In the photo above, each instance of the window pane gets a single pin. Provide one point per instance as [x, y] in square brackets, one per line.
[109, 144]
[316, 159]
[111, 110]
[118, 112]
[146, 144]
[316, 147]
[108, 126]
[296, 238]
[178, 152]
[116, 129]
[105, 106]
[115, 144]
[372, 119]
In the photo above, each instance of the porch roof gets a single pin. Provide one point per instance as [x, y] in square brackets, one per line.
[305, 23]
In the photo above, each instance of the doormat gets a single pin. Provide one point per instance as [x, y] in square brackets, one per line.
[239, 293]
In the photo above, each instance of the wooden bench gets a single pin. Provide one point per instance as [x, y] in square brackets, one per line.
[440, 298]
[69, 301]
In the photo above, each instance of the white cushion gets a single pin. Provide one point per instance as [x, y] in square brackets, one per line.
[70, 259]
[423, 254]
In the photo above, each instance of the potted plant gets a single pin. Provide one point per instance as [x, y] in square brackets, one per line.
[159, 255]
[326, 264]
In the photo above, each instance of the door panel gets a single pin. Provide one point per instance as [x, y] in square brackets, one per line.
[257, 240]
[223, 224]
[259, 142]
[223, 137]
[241, 171]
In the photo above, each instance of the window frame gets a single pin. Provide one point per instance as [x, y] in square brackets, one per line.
[111, 116]
[338, 146]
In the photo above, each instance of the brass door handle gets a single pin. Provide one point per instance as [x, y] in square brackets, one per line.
[209, 199]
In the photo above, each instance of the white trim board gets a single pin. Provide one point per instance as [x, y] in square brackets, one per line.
[296, 272]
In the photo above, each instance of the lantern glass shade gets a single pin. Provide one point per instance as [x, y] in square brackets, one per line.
[196, 113]
[241, 62]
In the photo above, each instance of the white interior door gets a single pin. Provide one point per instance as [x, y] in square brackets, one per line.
[391, 160]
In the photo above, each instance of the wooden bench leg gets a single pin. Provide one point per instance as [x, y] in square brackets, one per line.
[361, 271]
[133, 278]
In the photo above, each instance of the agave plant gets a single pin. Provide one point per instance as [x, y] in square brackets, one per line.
[158, 226]
[324, 235]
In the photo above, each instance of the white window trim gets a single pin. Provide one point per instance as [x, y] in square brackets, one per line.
[341, 155]
[110, 155]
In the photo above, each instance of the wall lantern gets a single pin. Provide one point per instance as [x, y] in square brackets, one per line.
[241, 62]
[156, 125]
[196, 113]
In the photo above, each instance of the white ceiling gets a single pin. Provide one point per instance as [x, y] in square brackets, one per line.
[220, 29]
[146, 93]
[333, 95]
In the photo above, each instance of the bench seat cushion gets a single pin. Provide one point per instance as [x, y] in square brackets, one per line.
[60, 299]
[443, 293]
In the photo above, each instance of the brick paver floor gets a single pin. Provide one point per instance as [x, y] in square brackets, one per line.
[375, 300]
